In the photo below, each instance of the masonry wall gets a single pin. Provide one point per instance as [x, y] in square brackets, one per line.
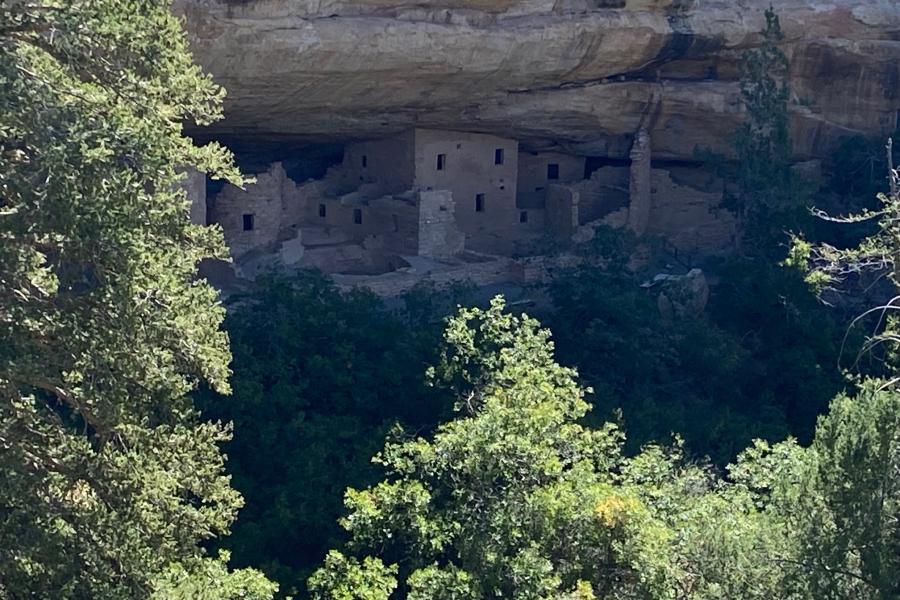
[532, 182]
[394, 223]
[692, 220]
[438, 234]
[639, 188]
[562, 211]
[470, 170]
[263, 201]
[389, 165]
[605, 192]
[301, 206]
[394, 284]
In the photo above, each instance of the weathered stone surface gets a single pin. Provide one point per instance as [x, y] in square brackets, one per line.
[681, 296]
[639, 190]
[693, 222]
[547, 72]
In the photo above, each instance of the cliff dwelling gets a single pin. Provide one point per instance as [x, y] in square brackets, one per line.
[587, 113]
[430, 201]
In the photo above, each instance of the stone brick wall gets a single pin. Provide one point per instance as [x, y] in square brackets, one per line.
[639, 187]
[389, 165]
[470, 170]
[262, 200]
[393, 284]
[562, 211]
[394, 221]
[605, 192]
[693, 221]
[533, 182]
[438, 234]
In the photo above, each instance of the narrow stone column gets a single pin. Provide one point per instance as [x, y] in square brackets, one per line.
[639, 183]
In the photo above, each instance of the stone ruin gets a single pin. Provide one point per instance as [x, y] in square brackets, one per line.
[430, 202]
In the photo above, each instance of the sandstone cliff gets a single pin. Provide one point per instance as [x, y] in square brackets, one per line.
[580, 74]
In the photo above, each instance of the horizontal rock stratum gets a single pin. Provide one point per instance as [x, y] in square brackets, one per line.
[582, 75]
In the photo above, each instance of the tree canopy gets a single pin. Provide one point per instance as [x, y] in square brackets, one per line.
[515, 498]
[109, 480]
[320, 376]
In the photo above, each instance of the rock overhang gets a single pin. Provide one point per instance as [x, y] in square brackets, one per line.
[550, 74]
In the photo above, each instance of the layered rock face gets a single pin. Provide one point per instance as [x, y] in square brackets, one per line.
[579, 75]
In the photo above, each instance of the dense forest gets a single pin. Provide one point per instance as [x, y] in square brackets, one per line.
[609, 439]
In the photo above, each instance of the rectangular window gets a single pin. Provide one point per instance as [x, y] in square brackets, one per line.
[357, 216]
[553, 171]
[365, 161]
[248, 222]
[441, 161]
[523, 216]
[498, 156]
[479, 202]
[322, 210]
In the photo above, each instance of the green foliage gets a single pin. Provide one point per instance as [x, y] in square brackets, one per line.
[847, 510]
[762, 362]
[345, 578]
[839, 499]
[108, 478]
[320, 377]
[769, 196]
[858, 171]
[832, 270]
[212, 581]
[514, 498]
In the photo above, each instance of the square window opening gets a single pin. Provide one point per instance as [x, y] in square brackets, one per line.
[498, 156]
[357, 216]
[441, 162]
[553, 171]
[479, 202]
[248, 222]
[523, 216]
